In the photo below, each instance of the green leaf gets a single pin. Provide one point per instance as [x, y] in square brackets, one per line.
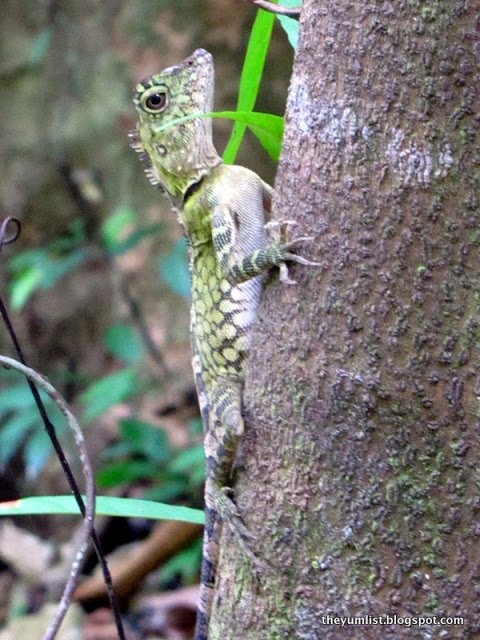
[40, 269]
[289, 25]
[37, 450]
[115, 226]
[267, 127]
[40, 45]
[197, 475]
[15, 397]
[195, 427]
[184, 563]
[105, 506]
[169, 489]
[126, 471]
[251, 76]
[117, 450]
[23, 286]
[14, 431]
[124, 342]
[144, 438]
[55, 268]
[122, 246]
[191, 457]
[107, 391]
[27, 259]
[174, 269]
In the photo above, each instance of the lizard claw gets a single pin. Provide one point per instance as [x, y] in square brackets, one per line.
[279, 229]
[285, 276]
[293, 257]
[274, 224]
[227, 491]
[293, 243]
[228, 512]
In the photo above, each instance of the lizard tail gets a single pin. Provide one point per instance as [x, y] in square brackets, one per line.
[207, 573]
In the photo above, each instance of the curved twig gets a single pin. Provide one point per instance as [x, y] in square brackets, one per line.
[290, 12]
[39, 380]
[4, 239]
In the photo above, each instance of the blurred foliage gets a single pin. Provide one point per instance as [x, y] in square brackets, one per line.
[40, 268]
[183, 566]
[107, 391]
[124, 343]
[115, 234]
[174, 269]
[20, 425]
[144, 454]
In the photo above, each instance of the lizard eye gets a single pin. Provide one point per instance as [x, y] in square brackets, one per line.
[156, 101]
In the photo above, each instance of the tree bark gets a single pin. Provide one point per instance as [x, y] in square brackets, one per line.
[359, 469]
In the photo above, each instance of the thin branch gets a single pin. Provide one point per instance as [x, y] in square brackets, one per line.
[290, 12]
[137, 316]
[8, 222]
[89, 513]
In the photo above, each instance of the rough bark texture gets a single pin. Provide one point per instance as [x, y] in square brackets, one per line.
[359, 470]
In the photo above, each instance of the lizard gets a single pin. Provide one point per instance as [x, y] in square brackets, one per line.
[223, 210]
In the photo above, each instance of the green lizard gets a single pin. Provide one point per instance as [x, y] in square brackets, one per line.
[222, 209]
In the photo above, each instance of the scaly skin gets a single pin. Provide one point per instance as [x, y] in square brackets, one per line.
[222, 209]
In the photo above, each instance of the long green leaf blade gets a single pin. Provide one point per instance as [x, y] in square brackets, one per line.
[268, 128]
[105, 506]
[251, 76]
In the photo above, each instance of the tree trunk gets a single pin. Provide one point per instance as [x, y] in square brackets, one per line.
[358, 474]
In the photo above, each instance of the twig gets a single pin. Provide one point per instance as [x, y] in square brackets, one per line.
[164, 541]
[138, 318]
[89, 514]
[290, 12]
[8, 222]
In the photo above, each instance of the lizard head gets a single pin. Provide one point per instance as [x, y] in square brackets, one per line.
[177, 154]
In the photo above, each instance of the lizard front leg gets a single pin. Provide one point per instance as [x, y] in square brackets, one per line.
[239, 265]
